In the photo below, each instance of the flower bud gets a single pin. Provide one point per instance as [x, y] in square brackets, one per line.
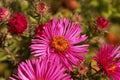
[42, 8]
[102, 22]
[3, 13]
[82, 69]
[17, 24]
[40, 28]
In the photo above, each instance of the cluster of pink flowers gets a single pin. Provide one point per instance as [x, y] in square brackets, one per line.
[57, 46]
[57, 40]
[17, 22]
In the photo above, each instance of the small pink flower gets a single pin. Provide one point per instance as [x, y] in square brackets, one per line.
[40, 69]
[108, 60]
[17, 24]
[60, 40]
[3, 13]
[102, 22]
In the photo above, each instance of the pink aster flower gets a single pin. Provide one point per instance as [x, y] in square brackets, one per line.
[108, 59]
[60, 40]
[40, 69]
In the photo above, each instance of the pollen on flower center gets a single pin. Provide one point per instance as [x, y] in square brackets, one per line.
[60, 44]
[112, 68]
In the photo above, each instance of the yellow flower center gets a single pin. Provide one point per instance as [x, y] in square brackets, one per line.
[112, 68]
[60, 44]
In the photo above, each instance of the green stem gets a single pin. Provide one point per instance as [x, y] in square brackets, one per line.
[10, 53]
[40, 19]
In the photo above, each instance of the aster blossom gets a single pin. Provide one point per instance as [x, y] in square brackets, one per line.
[60, 40]
[40, 69]
[108, 61]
